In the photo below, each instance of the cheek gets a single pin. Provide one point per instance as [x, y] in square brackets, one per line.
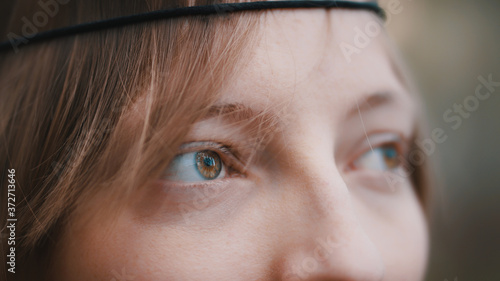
[244, 246]
[400, 233]
[95, 250]
[126, 249]
[406, 250]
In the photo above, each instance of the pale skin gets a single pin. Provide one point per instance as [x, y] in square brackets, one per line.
[299, 210]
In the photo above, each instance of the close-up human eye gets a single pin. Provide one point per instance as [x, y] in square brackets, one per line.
[202, 161]
[385, 153]
[196, 166]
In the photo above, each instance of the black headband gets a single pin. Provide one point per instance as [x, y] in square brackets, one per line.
[222, 8]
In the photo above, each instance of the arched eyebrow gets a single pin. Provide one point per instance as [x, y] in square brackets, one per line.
[383, 101]
[259, 121]
[371, 101]
[238, 112]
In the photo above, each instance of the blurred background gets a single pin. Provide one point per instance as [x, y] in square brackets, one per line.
[448, 45]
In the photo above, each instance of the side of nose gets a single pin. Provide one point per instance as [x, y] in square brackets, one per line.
[330, 242]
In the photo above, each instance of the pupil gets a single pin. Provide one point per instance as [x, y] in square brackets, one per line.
[209, 161]
[390, 153]
[208, 164]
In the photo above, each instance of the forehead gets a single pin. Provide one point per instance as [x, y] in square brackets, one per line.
[300, 59]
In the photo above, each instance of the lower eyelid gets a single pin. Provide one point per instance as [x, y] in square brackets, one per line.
[195, 192]
[205, 204]
[388, 181]
[191, 185]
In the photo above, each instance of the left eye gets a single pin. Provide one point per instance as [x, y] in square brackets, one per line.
[196, 166]
[381, 158]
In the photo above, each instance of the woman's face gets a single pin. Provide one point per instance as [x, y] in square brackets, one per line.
[299, 179]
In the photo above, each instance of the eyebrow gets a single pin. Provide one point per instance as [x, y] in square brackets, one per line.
[238, 112]
[375, 100]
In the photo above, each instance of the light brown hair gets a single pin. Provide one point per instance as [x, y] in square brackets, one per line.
[67, 107]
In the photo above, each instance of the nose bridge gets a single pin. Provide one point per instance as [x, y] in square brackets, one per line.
[333, 245]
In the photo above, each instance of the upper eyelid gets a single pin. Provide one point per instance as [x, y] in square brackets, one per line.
[227, 153]
[387, 137]
[204, 145]
[366, 146]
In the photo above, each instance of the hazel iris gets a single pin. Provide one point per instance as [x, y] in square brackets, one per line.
[208, 164]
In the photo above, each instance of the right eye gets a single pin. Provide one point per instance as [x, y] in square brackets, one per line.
[381, 158]
[383, 153]
[198, 166]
